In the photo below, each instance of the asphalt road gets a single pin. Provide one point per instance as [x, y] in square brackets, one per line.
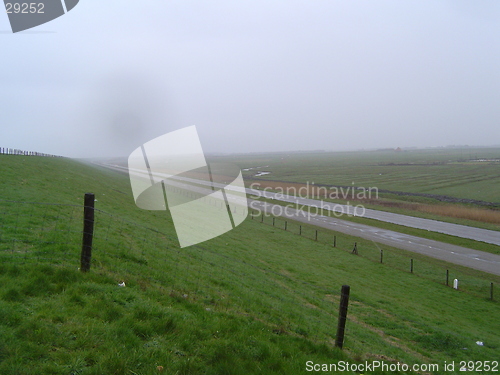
[477, 234]
[475, 259]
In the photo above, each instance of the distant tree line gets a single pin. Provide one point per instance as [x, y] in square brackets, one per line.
[14, 151]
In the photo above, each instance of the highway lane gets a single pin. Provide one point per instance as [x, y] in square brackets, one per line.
[477, 234]
[479, 260]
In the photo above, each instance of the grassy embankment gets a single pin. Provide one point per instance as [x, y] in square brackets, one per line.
[255, 300]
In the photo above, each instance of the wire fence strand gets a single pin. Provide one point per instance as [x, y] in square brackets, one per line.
[34, 232]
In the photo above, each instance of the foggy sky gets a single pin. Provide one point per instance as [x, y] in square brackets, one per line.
[253, 75]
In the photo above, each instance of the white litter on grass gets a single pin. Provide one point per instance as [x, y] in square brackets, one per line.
[122, 283]
[480, 343]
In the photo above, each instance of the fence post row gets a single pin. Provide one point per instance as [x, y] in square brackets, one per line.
[355, 251]
[15, 151]
[88, 232]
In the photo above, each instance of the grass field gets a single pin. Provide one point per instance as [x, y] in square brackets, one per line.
[454, 185]
[256, 300]
[458, 173]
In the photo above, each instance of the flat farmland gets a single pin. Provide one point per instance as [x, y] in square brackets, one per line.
[455, 185]
[464, 174]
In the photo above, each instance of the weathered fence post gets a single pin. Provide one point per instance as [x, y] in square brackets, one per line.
[381, 256]
[491, 291]
[286, 224]
[273, 221]
[344, 303]
[316, 235]
[334, 241]
[88, 232]
[411, 266]
[300, 230]
[447, 277]
[355, 250]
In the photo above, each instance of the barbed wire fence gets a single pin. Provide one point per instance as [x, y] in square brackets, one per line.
[34, 233]
[413, 264]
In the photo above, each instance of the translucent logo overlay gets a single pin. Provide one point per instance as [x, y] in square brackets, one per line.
[205, 200]
[25, 15]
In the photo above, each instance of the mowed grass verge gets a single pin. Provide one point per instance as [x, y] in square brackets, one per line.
[255, 300]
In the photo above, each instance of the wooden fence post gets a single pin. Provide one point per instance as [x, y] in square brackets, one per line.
[88, 232]
[355, 250]
[344, 303]
[411, 266]
[334, 241]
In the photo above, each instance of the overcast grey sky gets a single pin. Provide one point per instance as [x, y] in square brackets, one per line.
[253, 75]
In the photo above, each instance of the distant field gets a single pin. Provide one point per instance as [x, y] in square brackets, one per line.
[454, 185]
[456, 173]
[257, 300]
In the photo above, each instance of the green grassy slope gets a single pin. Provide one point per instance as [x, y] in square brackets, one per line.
[254, 300]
